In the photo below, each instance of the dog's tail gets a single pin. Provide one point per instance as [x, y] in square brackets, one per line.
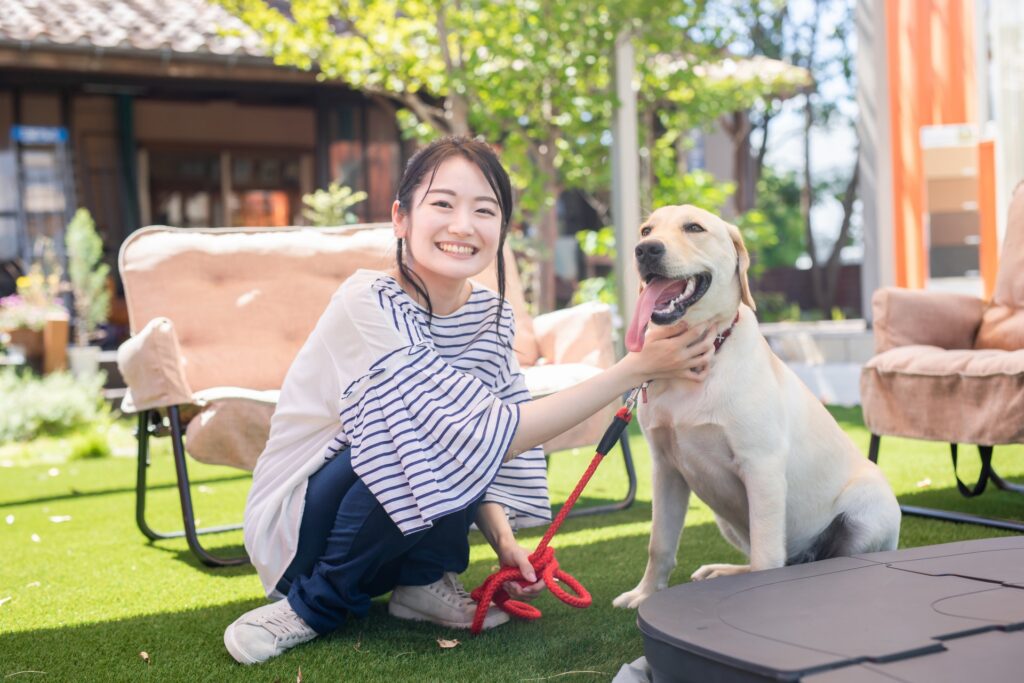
[833, 541]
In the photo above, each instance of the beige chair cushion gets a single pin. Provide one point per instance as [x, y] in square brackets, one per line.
[242, 303]
[982, 391]
[153, 367]
[1010, 279]
[232, 426]
[1002, 327]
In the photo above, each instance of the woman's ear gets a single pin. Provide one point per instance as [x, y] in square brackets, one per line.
[399, 220]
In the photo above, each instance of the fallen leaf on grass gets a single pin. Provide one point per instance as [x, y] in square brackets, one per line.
[10, 519]
[924, 483]
[3, 600]
[145, 657]
[53, 472]
[446, 644]
[57, 519]
[34, 584]
[35, 538]
[565, 673]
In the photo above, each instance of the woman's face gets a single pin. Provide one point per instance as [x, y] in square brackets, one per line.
[454, 224]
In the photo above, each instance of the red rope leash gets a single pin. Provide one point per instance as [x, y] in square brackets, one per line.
[543, 558]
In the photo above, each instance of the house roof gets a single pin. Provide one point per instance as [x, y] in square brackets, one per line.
[197, 28]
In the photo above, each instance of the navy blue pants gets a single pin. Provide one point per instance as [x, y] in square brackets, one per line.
[350, 551]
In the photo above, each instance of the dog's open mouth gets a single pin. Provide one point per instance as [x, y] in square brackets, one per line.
[663, 301]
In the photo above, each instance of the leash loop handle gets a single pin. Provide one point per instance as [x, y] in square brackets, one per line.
[543, 558]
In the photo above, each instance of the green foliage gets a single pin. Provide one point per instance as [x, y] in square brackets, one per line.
[778, 203]
[602, 288]
[87, 274]
[53, 405]
[90, 442]
[535, 77]
[773, 307]
[325, 208]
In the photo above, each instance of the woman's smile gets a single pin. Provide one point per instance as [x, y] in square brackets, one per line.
[458, 250]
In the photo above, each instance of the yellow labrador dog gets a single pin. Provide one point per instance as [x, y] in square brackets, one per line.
[785, 483]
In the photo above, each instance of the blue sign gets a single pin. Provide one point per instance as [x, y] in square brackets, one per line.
[39, 135]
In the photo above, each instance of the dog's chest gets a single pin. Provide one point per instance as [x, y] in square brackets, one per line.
[702, 455]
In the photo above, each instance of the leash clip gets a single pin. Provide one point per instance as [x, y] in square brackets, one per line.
[640, 391]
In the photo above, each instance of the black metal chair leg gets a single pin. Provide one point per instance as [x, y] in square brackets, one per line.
[958, 517]
[627, 457]
[873, 448]
[190, 532]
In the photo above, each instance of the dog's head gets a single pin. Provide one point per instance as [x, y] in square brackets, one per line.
[692, 264]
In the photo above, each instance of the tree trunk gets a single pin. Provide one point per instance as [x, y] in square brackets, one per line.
[743, 163]
[456, 112]
[547, 233]
[834, 264]
[806, 203]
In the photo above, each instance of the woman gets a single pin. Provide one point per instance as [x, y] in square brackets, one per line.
[404, 419]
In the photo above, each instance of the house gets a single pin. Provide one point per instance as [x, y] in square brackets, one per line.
[175, 114]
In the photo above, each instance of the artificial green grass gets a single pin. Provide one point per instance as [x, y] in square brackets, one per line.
[83, 597]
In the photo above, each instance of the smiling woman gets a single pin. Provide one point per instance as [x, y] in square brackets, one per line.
[405, 418]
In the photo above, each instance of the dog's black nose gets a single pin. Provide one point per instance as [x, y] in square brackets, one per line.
[649, 251]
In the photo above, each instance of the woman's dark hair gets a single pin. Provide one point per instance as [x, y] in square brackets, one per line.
[428, 160]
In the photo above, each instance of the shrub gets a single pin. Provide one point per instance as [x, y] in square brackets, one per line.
[53, 405]
[88, 275]
[330, 207]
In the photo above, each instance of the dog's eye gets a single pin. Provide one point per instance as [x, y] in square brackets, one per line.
[645, 231]
[693, 227]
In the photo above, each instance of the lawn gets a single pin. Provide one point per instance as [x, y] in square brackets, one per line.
[82, 593]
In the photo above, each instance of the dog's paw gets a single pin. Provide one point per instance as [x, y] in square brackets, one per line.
[632, 599]
[711, 571]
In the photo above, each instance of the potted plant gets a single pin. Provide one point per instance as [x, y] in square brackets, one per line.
[330, 207]
[34, 318]
[87, 275]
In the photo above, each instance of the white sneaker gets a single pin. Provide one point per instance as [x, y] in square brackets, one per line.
[443, 602]
[266, 632]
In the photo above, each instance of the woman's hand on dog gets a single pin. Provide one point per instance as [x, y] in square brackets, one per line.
[676, 351]
[515, 555]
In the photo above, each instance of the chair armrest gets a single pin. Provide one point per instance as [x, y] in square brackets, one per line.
[904, 317]
[152, 366]
[581, 334]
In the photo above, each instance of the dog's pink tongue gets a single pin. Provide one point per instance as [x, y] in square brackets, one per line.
[644, 307]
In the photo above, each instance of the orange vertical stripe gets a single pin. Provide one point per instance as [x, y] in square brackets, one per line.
[893, 29]
[931, 81]
[988, 249]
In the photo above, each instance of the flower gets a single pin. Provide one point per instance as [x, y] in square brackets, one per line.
[16, 312]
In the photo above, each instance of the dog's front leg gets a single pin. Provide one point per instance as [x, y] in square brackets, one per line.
[670, 500]
[765, 482]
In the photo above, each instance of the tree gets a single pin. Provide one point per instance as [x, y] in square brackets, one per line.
[533, 77]
[772, 30]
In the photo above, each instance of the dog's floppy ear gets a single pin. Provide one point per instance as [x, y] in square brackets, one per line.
[742, 265]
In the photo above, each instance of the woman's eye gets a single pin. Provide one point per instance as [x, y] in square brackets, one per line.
[486, 212]
[442, 203]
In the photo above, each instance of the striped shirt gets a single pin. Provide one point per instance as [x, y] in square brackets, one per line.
[428, 407]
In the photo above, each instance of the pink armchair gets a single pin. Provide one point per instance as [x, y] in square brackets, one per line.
[217, 315]
[950, 368]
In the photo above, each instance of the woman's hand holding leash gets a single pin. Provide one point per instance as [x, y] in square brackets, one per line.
[516, 555]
